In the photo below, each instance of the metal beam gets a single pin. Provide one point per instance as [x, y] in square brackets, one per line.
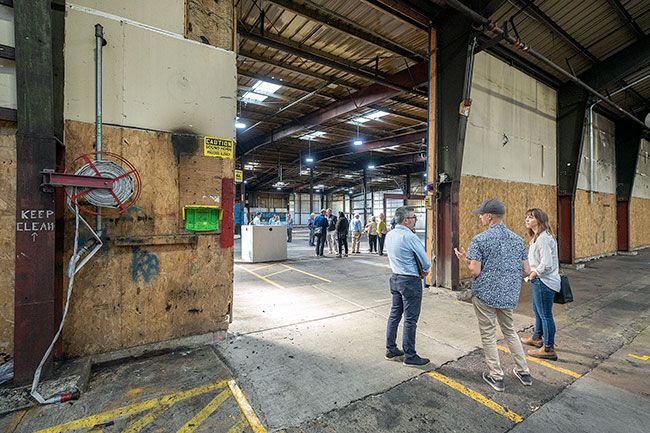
[381, 143]
[35, 284]
[627, 18]
[333, 20]
[402, 12]
[536, 12]
[323, 58]
[367, 96]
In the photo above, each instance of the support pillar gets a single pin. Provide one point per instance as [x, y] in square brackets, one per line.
[365, 196]
[627, 143]
[311, 190]
[34, 320]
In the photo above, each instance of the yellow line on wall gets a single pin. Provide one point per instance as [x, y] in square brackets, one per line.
[476, 397]
[246, 408]
[307, 273]
[126, 411]
[204, 413]
[266, 280]
[546, 364]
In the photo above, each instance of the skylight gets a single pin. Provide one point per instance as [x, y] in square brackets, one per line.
[265, 87]
[368, 117]
[252, 96]
[313, 135]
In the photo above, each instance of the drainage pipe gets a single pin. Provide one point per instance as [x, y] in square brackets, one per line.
[99, 43]
[489, 26]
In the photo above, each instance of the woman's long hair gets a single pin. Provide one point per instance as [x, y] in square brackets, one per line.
[542, 221]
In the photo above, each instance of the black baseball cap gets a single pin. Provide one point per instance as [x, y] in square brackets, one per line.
[490, 206]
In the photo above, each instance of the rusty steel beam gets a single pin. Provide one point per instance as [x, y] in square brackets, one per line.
[367, 96]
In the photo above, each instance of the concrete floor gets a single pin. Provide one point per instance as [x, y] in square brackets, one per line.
[306, 347]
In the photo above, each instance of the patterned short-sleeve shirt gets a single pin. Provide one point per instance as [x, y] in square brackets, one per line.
[501, 253]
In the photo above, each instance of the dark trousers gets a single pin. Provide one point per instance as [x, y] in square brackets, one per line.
[343, 242]
[381, 238]
[320, 243]
[289, 234]
[407, 300]
[312, 236]
[372, 240]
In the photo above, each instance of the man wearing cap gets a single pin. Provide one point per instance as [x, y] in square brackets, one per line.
[497, 259]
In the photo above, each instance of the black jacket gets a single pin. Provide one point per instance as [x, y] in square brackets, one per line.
[342, 226]
[331, 223]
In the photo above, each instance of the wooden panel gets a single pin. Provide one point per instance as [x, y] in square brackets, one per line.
[138, 294]
[639, 223]
[7, 237]
[594, 225]
[517, 197]
[623, 225]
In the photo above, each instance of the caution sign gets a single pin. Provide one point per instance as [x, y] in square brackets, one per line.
[239, 176]
[218, 147]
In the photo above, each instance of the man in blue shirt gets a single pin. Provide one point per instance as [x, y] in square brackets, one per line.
[410, 264]
[321, 223]
[497, 259]
[356, 228]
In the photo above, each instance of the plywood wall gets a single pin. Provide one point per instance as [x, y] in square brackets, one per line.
[639, 223]
[7, 237]
[594, 224]
[137, 294]
[211, 22]
[517, 197]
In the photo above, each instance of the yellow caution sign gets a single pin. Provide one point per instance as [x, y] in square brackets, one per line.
[218, 147]
[239, 176]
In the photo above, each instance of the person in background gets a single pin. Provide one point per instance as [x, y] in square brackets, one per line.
[356, 233]
[311, 226]
[545, 278]
[332, 239]
[409, 262]
[382, 229]
[371, 229]
[289, 226]
[258, 219]
[342, 226]
[392, 223]
[496, 259]
[320, 227]
[275, 220]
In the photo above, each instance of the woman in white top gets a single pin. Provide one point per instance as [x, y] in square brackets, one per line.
[545, 278]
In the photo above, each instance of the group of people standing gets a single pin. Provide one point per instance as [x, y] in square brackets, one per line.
[497, 259]
[327, 228]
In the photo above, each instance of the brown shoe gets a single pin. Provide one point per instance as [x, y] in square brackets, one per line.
[543, 353]
[530, 341]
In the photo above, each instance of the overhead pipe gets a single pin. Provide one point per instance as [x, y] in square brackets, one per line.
[491, 27]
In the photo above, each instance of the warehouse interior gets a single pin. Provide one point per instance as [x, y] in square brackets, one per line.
[216, 110]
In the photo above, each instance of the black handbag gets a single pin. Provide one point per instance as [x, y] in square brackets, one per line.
[564, 296]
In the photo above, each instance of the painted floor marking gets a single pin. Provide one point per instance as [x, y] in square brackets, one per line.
[546, 364]
[278, 272]
[264, 267]
[307, 273]
[480, 398]
[266, 280]
[204, 413]
[126, 411]
[143, 422]
[240, 426]
[641, 357]
[246, 408]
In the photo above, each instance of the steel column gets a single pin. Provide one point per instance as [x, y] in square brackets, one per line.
[628, 143]
[34, 319]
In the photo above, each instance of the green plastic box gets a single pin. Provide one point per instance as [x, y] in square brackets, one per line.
[202, 218]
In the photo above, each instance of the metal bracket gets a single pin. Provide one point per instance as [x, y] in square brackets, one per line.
[51, 179]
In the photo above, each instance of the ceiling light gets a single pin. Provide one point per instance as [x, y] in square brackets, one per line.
[279, 188]
[309, 159]
[371, 167]
[240, 125]
[358, 142]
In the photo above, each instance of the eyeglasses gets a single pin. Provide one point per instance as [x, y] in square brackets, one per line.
[412, 217]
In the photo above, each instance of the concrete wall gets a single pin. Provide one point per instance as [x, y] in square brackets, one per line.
[640, 203]
[595, 222]
[510, 147]
[148, 284]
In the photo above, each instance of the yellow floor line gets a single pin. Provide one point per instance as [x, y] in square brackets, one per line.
[642, 358]
[307, 273]
[204, 413]
[246, 408]
[546, 364]
[266, 280]
[240, 426]
[141, 423]
[276, 273]
[477, 397]
[264, 267]
[123, 412]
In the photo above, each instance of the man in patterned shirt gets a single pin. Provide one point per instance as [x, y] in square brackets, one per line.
[497, 259]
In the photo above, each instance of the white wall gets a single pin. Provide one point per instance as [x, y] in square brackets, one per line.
[163, 14]
[152, 79]
[642, 180]
[507, 101]
[604, 157]
[7, 67]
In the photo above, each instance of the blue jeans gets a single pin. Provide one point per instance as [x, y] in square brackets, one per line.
[407, 300]
[543, 308]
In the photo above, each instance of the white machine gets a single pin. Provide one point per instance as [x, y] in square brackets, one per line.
[263, 243]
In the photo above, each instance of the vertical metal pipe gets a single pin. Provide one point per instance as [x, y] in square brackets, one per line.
[311, 190]
[99, 43]
[591, 153]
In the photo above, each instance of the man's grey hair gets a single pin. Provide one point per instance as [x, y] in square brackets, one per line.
[402, 212]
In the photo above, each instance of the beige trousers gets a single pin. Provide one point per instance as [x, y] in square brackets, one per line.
[487, 318]
[356, 241]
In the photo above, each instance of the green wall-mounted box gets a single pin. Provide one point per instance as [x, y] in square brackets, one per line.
[200, 218]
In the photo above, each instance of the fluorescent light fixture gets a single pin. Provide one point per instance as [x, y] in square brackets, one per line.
[425, 175]
[254, 97]
[312, 135]
[240, 125]
[245, 181]
[371, 166]
[358, 142]
[279, 188]
[309, 159]
[265, 87]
